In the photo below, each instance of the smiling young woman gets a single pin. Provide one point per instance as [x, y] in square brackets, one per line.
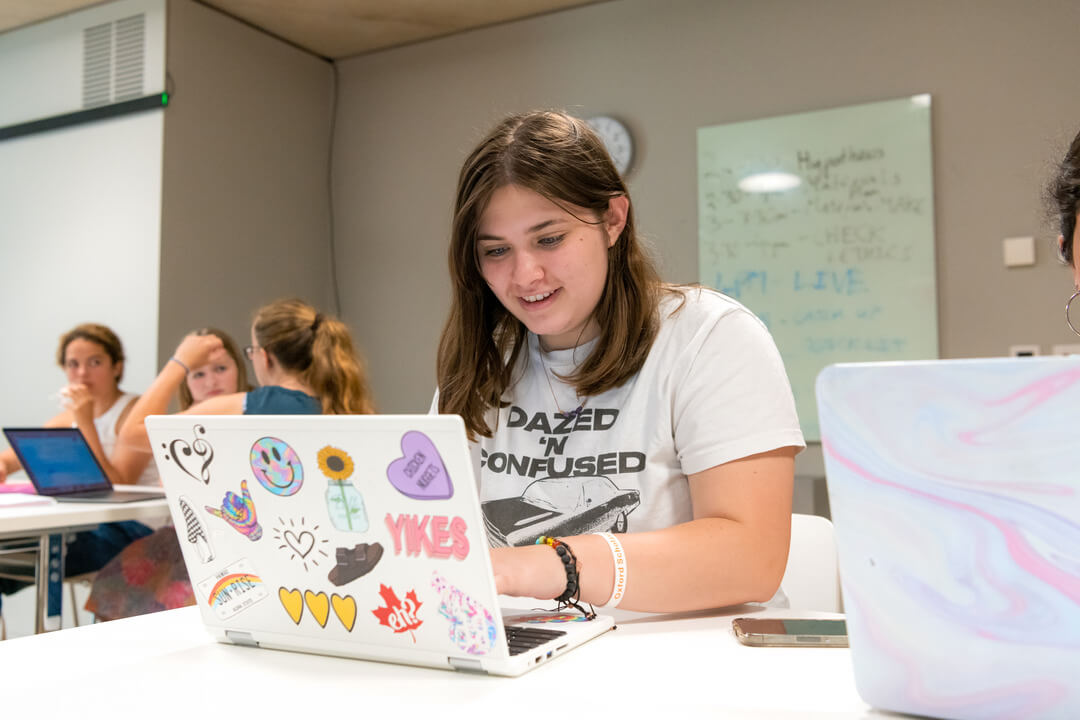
[547, 265]
[650, 427]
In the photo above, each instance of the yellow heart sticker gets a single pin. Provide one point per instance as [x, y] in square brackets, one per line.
[345, 609]
[293, 603]
[318, 605]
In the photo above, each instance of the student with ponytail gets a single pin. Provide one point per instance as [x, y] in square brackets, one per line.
[295, 348]
[304, 361]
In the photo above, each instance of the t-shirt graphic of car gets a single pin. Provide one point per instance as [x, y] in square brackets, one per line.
[559, 507]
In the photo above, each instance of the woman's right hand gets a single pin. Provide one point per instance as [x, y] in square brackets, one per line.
[195, 350]
[80, 404]
[528, 571]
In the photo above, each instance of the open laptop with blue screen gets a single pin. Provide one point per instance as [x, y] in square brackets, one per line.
[351, 535]
[61, 465]
[954, 488]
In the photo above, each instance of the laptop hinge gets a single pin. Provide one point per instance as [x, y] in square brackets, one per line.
[466, 665]
[241, 638]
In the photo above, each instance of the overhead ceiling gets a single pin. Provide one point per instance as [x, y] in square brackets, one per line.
[334, 28]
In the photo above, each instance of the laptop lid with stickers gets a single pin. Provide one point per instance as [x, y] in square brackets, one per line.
[346, 535]
[954, 489]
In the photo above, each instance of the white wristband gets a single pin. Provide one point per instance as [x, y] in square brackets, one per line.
[618, 588]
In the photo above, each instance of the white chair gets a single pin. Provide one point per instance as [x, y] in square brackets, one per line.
[85, 581]
[811, 580]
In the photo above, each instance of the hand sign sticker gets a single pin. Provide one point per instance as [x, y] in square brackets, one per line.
[239, 511]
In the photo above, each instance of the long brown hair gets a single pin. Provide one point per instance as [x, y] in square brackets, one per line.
[242, 384]
[320, 350]
[562, 159]
[99, 334]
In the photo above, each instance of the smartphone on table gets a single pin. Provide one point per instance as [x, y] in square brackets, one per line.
[790, 632]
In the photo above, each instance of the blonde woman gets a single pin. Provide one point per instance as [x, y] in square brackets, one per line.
[149, 574]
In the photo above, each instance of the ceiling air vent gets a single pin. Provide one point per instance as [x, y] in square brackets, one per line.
[97, 65]
[113, 59]
[130, 57]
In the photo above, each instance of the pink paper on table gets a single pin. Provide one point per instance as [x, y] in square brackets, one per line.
[18, 487]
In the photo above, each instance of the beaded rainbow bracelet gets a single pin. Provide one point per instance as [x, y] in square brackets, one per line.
[571, 595]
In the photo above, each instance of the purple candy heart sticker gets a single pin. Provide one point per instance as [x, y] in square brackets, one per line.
[419, 473]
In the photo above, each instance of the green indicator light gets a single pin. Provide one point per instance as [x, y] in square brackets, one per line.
[164, 99]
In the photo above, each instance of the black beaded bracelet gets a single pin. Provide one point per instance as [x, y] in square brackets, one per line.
[570, 596]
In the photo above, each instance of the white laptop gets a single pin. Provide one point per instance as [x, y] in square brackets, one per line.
[954, 489]
[358, 536]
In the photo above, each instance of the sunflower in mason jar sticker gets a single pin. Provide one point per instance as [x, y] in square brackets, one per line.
[344, 503]
[335, 463]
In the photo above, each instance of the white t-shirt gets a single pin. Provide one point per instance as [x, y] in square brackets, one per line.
[713, 389]
[106, 430]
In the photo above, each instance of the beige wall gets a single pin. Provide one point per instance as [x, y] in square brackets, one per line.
[245, 216]
[1002, 76]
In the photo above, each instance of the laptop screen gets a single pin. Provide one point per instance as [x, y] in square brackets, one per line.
[57, 460]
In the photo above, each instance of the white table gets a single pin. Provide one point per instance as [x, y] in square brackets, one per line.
[35, 523]
[679, 665]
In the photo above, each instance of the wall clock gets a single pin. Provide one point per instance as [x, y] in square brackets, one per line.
[617, 140]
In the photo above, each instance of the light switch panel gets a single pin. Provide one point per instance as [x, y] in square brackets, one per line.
[1019, 251]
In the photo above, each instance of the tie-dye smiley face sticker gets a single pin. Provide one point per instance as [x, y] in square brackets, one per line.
[276, 466]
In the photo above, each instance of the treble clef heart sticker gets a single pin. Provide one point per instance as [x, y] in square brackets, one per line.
[187, 456]
[420, 473]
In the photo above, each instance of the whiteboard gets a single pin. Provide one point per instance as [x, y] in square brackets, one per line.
[80, 241]
[840, 267]
[80, 209]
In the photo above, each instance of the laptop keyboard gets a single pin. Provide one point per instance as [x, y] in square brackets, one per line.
[522, 639]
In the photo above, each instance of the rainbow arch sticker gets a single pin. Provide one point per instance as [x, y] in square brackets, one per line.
[233, 589]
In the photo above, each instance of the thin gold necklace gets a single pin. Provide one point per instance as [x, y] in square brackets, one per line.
[573, 413]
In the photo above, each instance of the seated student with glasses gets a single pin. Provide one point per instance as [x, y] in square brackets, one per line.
[304, 361]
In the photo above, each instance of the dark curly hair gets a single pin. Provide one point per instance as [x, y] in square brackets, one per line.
[1063, 195]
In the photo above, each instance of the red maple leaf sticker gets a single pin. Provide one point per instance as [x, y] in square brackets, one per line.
[397, 615]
